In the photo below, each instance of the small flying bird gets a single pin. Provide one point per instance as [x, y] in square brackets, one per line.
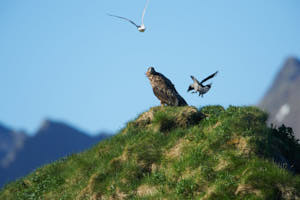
[199, 87]
[142, 27]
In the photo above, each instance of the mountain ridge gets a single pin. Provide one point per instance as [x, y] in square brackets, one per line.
[51, 141]
[282, 99]
[11, 142]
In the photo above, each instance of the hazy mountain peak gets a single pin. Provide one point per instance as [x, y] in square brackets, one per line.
[44, 125]
[55, 127]
[10, 142]
[282, 99]
[48, 124]
[292, 60]
[4, 129]
[290, 70]
[51, 141]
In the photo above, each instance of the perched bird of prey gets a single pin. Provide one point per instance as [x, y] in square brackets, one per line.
[141, 28]
[164, 89]
[199, 87]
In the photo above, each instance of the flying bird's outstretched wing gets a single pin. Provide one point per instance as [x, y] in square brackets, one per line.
[144, 11]
[195, 80]
[209, 77]
[124, 19]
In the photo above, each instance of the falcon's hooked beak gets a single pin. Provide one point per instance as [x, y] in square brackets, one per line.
[150, 71]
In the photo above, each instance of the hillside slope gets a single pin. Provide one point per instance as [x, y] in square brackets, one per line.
[281, 101]
[176, 153]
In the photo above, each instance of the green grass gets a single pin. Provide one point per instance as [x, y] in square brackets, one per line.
[177, 153]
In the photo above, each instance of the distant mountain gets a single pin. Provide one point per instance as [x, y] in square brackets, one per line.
[6, 142]
[282, 100]
[10, 143]
[52, 141]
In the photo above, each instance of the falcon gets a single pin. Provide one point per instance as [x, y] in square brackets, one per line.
[164, 89]
[199, 87]
[142, 27]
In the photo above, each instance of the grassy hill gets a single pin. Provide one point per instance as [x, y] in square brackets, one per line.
[177, 153]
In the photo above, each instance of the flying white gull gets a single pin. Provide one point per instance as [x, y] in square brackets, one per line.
[141, 28]
[199, 87]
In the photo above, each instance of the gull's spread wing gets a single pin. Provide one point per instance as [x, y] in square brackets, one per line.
[209, 77]
[124, 19]
[147, 2]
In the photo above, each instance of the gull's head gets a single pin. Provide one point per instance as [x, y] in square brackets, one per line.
[142, 28]
[150, 71]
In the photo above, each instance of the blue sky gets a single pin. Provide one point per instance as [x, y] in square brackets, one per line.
[67, 60]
